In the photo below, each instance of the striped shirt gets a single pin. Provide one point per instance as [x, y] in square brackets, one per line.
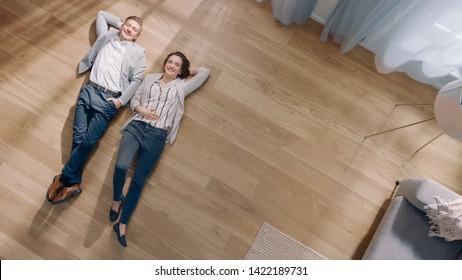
[164, 100]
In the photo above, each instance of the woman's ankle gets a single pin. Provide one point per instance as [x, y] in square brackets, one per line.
[116, 205]
[122, 228]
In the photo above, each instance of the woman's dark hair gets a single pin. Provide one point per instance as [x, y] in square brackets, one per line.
[184, 65]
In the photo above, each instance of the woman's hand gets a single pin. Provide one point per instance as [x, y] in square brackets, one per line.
[148, 114]
[192, 71]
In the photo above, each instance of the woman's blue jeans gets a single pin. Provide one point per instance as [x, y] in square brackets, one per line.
[149, 142]
[93, 114]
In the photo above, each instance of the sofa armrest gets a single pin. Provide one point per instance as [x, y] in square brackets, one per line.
[422, 191]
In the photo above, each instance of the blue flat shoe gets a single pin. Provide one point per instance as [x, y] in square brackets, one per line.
[120, 238]
[113, 215]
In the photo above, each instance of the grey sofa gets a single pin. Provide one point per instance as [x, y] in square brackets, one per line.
[403, 231]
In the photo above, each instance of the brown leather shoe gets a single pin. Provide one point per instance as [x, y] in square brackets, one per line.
[54, 188]
[66, 193]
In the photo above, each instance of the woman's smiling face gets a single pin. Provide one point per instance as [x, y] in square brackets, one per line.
[173, 66]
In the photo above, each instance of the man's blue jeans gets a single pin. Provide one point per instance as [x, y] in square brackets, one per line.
[93, 114]
[149, 142]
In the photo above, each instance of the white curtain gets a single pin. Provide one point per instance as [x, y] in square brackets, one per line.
[292, 11]
[352, 21]
[422, 38]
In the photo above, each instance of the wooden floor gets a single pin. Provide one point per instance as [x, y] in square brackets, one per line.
[277, 135]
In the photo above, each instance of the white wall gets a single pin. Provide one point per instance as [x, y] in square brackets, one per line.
[322, 10]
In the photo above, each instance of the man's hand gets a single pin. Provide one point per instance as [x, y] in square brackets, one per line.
[116, 102]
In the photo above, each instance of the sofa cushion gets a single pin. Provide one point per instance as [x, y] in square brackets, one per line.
[403, 234]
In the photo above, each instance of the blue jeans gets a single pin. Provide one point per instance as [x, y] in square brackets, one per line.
[93, 114]
[149, 142]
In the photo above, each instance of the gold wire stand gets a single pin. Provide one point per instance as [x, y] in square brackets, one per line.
[408, 125]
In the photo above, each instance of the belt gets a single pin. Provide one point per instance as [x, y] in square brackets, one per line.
[105, 90]
[144, 124]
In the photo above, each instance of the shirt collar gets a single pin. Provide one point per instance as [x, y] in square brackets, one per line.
[122, 43]
[169, 84]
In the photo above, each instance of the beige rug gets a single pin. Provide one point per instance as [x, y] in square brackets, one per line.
[272, 244]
